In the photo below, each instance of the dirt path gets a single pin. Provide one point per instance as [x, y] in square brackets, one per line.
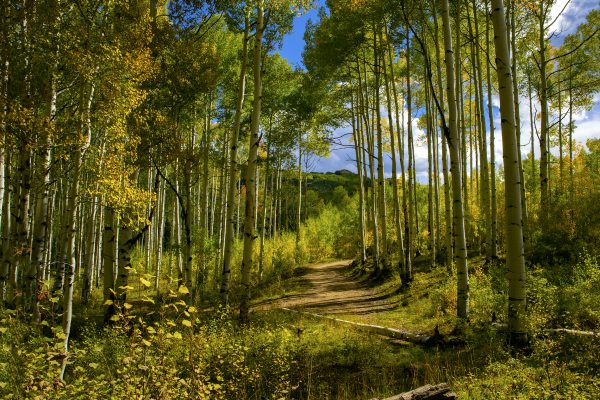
[328, 289]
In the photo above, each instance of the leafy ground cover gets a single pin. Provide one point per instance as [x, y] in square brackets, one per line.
[173, 351]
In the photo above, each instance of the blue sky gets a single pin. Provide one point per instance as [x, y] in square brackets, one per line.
[588, 123]
[293, 43]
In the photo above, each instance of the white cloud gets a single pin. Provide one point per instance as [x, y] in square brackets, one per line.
[570, 19]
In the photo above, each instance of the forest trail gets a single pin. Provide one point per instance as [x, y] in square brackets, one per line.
[328, 288]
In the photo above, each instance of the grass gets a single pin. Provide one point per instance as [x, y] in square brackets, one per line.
[171, 351]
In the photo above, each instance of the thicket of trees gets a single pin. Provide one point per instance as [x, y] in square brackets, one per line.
[172, 133]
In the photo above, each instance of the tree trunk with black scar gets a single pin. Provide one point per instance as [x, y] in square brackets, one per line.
[250, 216]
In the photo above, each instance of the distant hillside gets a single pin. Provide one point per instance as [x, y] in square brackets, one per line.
[325, 183]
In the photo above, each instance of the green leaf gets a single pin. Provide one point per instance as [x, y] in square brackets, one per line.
[146, 343]
[3, 330]
[93, 365]
[177, 335]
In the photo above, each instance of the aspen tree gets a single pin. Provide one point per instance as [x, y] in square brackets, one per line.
[451, 133]
[515, 259]
[396, 199]
[380, 160]
[493, 253]
[249, 233]
[407, 204]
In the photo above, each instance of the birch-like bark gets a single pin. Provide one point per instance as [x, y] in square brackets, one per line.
[69, 257]
[451, 133]
[493, 249]
[483, 166]
[544, 130]
[299, 209]
[515, 259]
[249, 233]
[396, 205]
[361, 194]
[382, 210]
[400, 135]
[408, 205]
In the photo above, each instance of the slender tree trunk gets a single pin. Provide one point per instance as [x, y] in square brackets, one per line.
[515, 260]
[299, 209]
[452, 137]
[161, 233]
[408, 205]
[447, 205]
[380, 159]
[108, 254]
[485, 179]
[544, 134]
[393, 151]
[513, 44]
[261, 261]
[69, 258]
[400, 133]
[493, 249]
[361, 194]
[430, 207]
[369, 149]
[249, 234]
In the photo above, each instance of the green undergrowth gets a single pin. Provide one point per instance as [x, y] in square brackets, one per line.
[280, 355]
[173, 351]
[556, 366]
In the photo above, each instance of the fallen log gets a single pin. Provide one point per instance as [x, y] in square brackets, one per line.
[428, 392]
[416, 338]
[572, 332]
[504, 328]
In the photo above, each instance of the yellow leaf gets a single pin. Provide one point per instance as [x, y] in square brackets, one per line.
[145, 282]
[127, 306]
[192, 310]
[146, 343]
[114, 318]
[177, 335]
[187, 323]
[108, 303]
[93, 365]
[183, 290]
[3, 330]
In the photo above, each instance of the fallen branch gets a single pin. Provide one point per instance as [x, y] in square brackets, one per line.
[416, 338]
[572, 332]
[504, 328]
[427, 392]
